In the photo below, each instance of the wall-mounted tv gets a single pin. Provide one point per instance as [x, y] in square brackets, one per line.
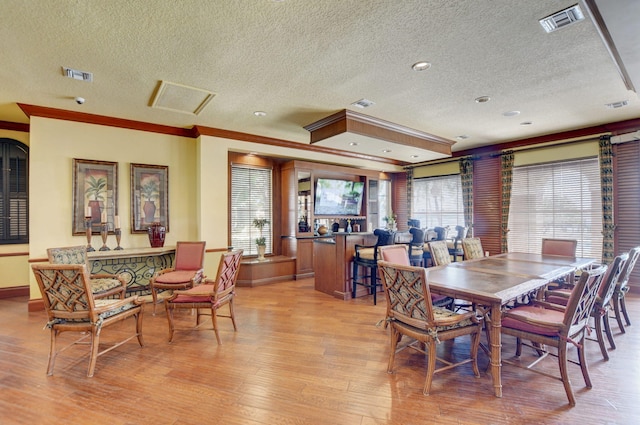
[338, 197]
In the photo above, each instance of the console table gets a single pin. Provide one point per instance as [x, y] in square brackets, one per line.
[136, 265]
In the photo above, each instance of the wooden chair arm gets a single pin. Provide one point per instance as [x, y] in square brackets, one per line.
[452, 320]
[135, 299]
[548, 305]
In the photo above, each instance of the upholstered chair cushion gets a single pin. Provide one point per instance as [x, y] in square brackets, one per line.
[534, 313]
[104, 284]
[472, 248]
[68, 255]
[179, 276]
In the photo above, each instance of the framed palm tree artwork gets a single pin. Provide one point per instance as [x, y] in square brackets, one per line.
[149, 196]
[95, 195]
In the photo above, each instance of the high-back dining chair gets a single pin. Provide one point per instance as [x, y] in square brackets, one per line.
[549, 325]
[619, 305]
[440, 255]
[72, 307]
[563, 247]
[397, 254]
[187, 270]
[410, 313]
[600, 311]
[472, 248]
[366, 258]
[211, 295]
[103, 285]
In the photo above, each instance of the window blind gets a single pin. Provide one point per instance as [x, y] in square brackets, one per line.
[558, 200]
[437, 201]
[250, 199]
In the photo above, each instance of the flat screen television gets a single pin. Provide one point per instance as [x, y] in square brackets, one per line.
[338, 197]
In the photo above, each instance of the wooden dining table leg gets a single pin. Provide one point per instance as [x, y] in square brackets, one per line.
[496, 348]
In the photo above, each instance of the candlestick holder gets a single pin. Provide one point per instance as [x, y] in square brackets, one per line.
[87, 226]
[104, 232]
[118, 234]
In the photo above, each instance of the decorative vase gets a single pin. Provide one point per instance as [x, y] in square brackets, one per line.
[261, 251]
[96, 211]
[149, 209]
[156, 234]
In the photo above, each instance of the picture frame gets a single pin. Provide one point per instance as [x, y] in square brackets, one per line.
[95, 195]
[149, 196]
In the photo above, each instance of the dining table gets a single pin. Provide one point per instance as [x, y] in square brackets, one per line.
[493, 282]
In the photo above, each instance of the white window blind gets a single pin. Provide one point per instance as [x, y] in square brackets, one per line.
[559, 200]
[250, 199]
[437, 201]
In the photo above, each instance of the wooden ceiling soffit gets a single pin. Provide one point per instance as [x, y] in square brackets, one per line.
[347, 121]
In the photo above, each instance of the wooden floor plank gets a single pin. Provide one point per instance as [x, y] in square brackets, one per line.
[299, 357]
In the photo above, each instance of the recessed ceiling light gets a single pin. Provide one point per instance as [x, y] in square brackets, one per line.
[353, 144]
[511, 113]
[526, 123]
[482, 99]
[414, 156]
[259, 113]
[386, 150]
[462, 137]
[421, 66]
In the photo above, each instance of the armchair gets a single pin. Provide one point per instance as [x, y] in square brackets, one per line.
[410, 313]
[102, 285]
[71, 306]
[187, 270]
[211, 295]
[549, 325]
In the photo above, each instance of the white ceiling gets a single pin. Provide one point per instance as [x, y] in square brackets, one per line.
[302, 60]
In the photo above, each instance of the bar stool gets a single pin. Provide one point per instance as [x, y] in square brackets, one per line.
[367, 257]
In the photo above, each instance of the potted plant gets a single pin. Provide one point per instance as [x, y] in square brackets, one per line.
[149, 190]
[261, 242]
[390, 220]
[96, 188]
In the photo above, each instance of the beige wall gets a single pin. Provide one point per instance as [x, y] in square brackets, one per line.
[198, 186]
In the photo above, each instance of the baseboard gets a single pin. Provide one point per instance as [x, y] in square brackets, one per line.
[14, 291]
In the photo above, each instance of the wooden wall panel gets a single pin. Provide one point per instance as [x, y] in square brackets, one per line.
[626, 174]
[487, 197]
[399, 201]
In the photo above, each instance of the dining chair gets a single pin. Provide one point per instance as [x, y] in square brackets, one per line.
[472, 248]
[103, 285]
[366, 257]
[211, 295]
[397, 254]
[440, 255]
[410, 313]
[187, 270]
[562, 247]
[600, 311]
[416, 246]
[619, 305]
[71, 307]
[548, 325]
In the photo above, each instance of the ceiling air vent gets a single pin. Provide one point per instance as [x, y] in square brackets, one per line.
[616, 105]
[562, 19]
[363, 103]
[77, 75]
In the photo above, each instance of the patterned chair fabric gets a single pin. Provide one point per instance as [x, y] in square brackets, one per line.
[410, 313]
[472, 248]
[549, 325]
[71, 306]
[439, 253]
[211, 295]
[102, 285]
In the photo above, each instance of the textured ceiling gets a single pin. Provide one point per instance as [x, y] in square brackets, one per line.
[302, 60]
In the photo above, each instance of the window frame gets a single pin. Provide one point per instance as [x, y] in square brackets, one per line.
[11, 149]
[241, 216]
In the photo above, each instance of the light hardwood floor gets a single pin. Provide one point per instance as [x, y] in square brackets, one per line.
[299, 357]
